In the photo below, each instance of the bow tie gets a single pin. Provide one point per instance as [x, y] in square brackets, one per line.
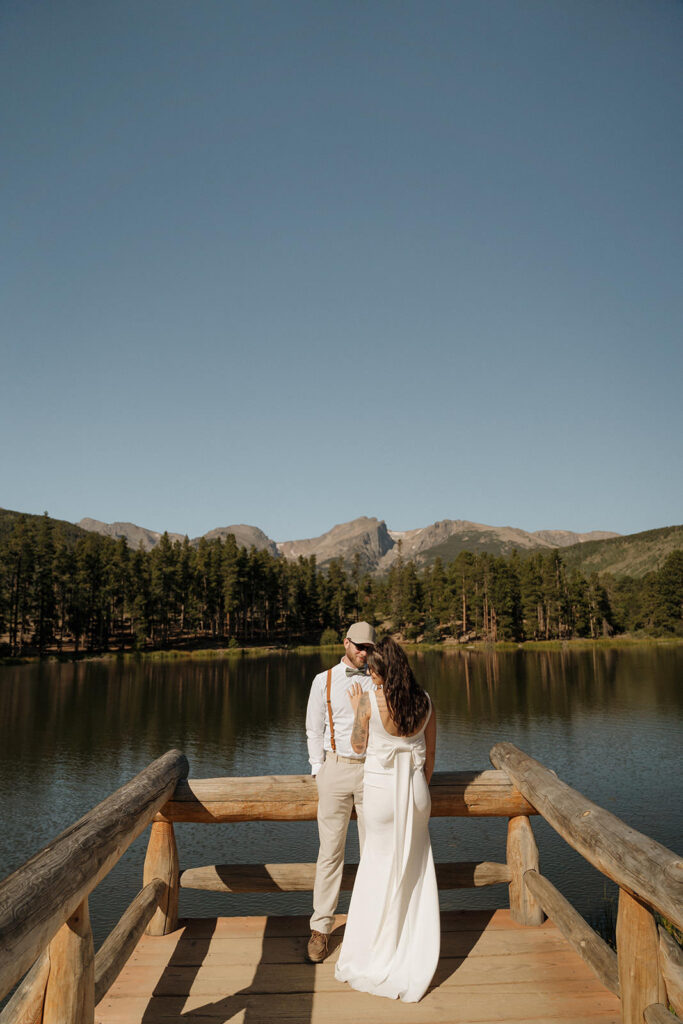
[356, 671]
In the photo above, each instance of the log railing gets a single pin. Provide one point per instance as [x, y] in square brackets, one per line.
[44, 917]
[647, 969]
[45, 903]
[295, 798]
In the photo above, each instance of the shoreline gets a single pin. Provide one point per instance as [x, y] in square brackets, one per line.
[445, 647]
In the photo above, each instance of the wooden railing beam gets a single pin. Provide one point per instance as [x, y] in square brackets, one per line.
[112, 956]
[262, 878]
[635, 862]
[600, 958]
[295, 798]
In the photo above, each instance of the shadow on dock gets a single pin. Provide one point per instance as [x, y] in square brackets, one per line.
[281, 971]
[283, 983]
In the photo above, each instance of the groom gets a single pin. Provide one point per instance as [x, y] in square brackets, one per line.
[339, 775]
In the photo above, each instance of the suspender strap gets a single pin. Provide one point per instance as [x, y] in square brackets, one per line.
[329, 709]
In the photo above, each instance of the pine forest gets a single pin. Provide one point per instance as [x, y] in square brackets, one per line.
[67, 593]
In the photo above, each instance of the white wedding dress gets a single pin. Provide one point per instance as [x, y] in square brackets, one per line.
[392, 937]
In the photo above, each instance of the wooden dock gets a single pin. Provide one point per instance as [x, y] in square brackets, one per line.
[252, 970]
[504, 966]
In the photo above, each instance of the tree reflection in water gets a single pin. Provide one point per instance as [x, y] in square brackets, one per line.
[607, 720]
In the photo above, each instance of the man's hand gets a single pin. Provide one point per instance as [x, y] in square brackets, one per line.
[354, 693]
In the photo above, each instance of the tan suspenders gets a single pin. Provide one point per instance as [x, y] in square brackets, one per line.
[329, 709]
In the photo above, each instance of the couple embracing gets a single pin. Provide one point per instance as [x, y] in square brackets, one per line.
[371, 740]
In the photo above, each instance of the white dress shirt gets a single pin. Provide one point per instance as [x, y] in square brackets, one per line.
[318, 719]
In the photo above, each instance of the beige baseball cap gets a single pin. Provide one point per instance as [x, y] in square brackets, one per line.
[361, 633]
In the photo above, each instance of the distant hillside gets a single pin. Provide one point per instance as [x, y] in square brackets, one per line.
[8, 520]
[135, 535]
[479, 539]
[448, 537]
[633, 555]
[246, 536]
[565, 538]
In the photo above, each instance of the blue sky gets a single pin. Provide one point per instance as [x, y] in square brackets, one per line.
[291, 263]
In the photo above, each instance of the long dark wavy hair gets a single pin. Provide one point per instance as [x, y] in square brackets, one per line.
[407, 702]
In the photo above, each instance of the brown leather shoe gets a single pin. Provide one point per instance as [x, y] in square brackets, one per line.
[317, 947]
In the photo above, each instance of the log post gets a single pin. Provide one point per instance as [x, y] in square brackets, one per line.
[640, 981]
[671, 963]
[162, 862]
[70, 992]
[26, 1005]
[522, 855]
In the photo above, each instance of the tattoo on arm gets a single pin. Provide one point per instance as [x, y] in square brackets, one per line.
[359, 732]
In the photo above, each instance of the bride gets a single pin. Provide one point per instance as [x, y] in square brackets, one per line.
[392, 935]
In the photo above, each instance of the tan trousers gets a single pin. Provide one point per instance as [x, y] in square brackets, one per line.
[340, 787]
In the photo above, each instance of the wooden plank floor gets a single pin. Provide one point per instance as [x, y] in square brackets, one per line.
[252, 970]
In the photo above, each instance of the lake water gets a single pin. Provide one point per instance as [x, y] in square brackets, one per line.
[607, 721]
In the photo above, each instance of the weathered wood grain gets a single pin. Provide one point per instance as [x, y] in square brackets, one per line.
[632, 860]
[671, 966]
[291, 924]
[243, 878]
[348, 1007]
[236, 949]
[587, 943]
[504, 973]
[42, 894]
[658, 1014]
[640, 983]
[70, 992]
[295, 798]
[124, 937]
[162, 862]
[522, 856]
[26, 1004]
[223, 979]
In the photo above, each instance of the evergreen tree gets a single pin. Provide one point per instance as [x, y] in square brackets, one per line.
[117, 576]
[531, 596]
[20, 563]
[140, 598]
[599, 611]
[339, 594]
[185, 570]
[506, 603]
[666, 602]
[410, 611]
[43, 610]
[163, 586]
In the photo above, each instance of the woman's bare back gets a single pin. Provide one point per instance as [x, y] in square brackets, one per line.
[387, 721]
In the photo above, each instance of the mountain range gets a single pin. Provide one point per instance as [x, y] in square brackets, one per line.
[376, 546]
